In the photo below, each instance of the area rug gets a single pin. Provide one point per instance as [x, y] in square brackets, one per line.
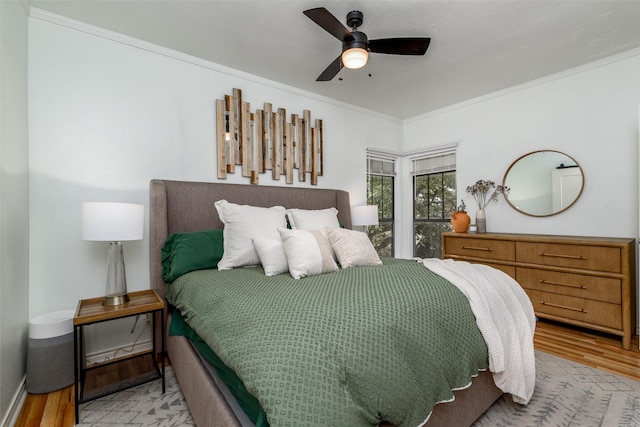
[570, 394]
[567, 394]
[144, 405]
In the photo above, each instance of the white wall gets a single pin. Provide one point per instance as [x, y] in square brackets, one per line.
[590, 113]
[14, 205]
[106, 117]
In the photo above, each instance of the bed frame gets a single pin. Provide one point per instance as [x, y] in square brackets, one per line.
[182, 206]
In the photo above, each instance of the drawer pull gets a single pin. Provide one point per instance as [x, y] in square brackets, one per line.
[476, 248]
[579, 257]
[580, 310]
[570, 285]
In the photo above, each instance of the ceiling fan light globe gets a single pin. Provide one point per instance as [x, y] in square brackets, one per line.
[355, 58]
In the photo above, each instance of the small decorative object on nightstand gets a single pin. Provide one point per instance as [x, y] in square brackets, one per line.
[113, 223]
[91, 311]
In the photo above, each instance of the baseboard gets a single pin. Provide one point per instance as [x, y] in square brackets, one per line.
[107, 355]
[12, 415]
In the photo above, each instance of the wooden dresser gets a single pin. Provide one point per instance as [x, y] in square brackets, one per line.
[583, 281]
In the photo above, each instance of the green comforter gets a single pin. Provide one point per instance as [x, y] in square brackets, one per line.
[349, 348]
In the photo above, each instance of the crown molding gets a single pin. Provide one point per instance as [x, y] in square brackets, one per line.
[530, 84]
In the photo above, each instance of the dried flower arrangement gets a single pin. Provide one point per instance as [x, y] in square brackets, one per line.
[481, 192]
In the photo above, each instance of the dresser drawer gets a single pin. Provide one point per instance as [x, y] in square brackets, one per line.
[480, 248]
[583, 310]
[577, 285]
[596, 258]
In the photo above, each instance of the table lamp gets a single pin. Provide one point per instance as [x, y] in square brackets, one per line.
[113, 223]
[364, 215]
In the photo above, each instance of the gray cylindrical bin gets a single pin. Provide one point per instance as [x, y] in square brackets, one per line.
[50, 352]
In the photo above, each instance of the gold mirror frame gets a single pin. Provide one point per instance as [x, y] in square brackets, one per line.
[543, 183]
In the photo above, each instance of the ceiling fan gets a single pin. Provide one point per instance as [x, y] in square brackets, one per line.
[355, 44]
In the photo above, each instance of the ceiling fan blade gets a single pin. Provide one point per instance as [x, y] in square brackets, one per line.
[331, 71]
[328, 22]
[400, 45]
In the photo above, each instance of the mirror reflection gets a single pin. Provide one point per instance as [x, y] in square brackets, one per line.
[543, 183]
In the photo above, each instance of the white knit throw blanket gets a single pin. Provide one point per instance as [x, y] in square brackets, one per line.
[505, 318]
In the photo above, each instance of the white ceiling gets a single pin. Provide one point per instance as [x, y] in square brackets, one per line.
[477, 47]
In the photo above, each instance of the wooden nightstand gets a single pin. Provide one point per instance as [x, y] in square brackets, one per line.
[92, 311]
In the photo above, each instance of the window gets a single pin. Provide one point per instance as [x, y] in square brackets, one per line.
[380, 192]
[434, 190]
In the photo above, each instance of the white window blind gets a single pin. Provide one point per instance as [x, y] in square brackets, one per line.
[380, 165]
[434, 162]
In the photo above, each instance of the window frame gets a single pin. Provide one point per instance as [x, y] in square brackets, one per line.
[382, 165]
[437, 161]
[444, 214]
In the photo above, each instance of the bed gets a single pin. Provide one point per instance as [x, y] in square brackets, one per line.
[181, 207]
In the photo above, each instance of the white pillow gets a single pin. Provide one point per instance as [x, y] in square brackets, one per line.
[302, 219]
[241, 224]
[271, 254]
[352, 248]
[308, 252]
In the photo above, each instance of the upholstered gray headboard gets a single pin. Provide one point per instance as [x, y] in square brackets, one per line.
[182, 206]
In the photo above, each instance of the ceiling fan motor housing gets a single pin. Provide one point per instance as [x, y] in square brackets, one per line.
[358, 39]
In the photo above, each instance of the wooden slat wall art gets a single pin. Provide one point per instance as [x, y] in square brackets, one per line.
[264, 141]
[288, 153]
[222, 134]
[258, 130]
[277, 145]
[302, 149]
[295, 139]
[319, 146]
[256, 150]
[267, 137]
[245, 139]
[314, 157]
[307, 137]
[236, 100]
[231, 134]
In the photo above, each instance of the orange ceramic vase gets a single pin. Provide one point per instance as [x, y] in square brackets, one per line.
[460, 221]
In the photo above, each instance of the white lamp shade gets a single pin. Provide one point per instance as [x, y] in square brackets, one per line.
[355, 58]
[364, 215]
[112, 222]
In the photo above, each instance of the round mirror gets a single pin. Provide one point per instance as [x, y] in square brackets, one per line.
[543, 183]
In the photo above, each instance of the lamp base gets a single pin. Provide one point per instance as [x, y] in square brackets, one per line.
[116, 290]
[115, 300]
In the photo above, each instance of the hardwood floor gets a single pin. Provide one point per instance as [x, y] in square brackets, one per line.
[589, 348]
[56, 409]
[586, 347]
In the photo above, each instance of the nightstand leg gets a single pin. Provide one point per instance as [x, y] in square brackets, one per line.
[162, 350]
[75, 372]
